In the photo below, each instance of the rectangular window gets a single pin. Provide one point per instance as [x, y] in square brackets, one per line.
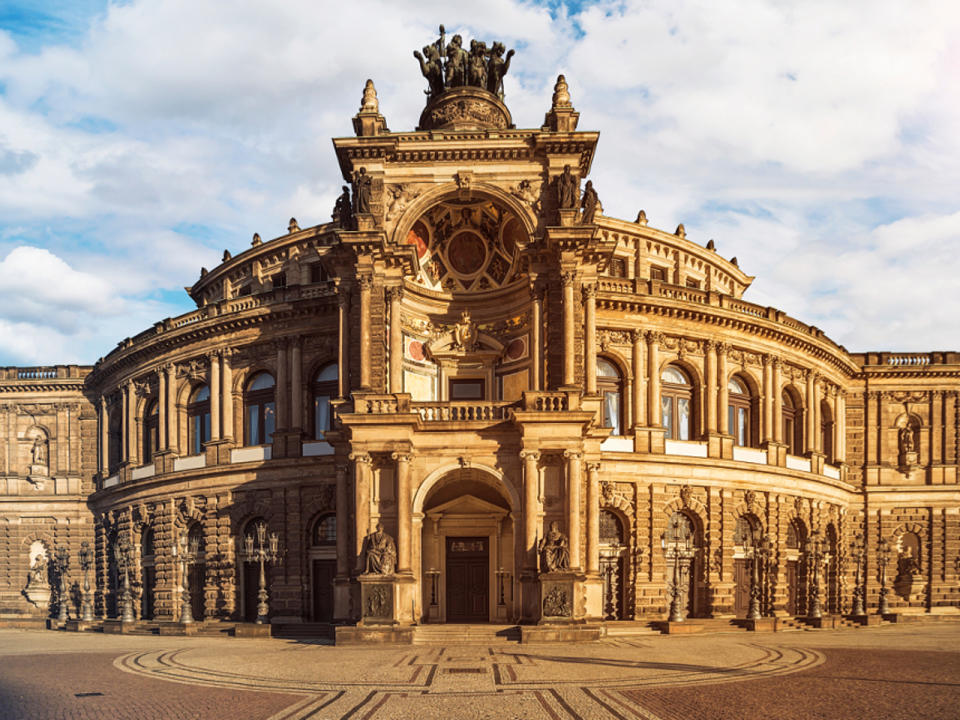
[693, 283]
[321, 415]
[683, 418]
[280, 280]
[611, 412]
[732, 420]
[253, 424]
[467, 389]
[666, 415]
[658, 273]
[742, 427]
[269, 422]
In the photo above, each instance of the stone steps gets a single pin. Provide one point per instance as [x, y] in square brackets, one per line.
[465, 634]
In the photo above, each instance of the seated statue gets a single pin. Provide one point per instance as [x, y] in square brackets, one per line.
[380, 552]
[554, 550]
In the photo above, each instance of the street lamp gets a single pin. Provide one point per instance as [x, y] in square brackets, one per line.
[86, 562]
[765, 550]
[123, 555]
[814, 550]
[679, 542]
[758, 552]
[61, 564]
[857, 547]
[185, 550]
[884, 552]
[265, 551]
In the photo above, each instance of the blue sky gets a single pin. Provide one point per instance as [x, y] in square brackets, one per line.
[816, 142]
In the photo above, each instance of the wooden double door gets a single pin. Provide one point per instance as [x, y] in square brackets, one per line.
[468, 579]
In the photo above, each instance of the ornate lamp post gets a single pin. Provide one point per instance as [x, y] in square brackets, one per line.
[857, 547]
[86, 562]
[61, 563]
[185, 551]
[754, 550]
[765, 550]
[814, 550]
[884, 551]
[123, 554]
[679, 543]
[265, 551]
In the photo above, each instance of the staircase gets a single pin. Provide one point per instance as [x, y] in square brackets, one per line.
[465, 634]
[304, 631]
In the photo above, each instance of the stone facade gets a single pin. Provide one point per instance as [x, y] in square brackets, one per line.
[465, 365]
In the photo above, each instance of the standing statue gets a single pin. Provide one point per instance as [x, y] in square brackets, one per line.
[497, 67]
[362, 192]
[39, 573]
[907, 444]
[343, 210]
[554, 550]
[590, 203]
[380, 552]
[477, 68]
[568, 188]
[38, 453]
[432, 69]
[457, 59]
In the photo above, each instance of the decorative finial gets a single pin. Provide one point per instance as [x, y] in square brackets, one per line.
[369, 103]
[561, 94]
[711, 245]
[203, 272]
[734, 261]
[226, 255]
[641, 218]
[293, 227]
[681, 231]
[256, 240]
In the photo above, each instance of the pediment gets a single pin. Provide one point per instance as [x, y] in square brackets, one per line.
[467, 505]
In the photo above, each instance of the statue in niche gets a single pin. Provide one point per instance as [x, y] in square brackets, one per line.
[907, 565]
[590, 203]
[497, 67]
[465, 332]
[554, 550]
[343, 210]
[568, 188]
[39, 572]
[380, 552]
[907, 440]
[38, 453]
[432, 68]
[362, 192]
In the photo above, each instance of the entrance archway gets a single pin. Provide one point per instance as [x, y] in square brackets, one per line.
[467, 550]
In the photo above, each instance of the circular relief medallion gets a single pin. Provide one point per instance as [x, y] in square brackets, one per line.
[415, 348]
[466, 253]
[516, 349]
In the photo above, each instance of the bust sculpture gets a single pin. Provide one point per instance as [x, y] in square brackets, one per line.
[554, 550]
[465, 332]
[380, 552]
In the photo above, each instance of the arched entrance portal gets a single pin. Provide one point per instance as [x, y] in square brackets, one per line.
[467, 548]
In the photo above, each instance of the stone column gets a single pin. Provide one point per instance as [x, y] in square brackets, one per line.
[395, 294]
[131, 423]
[569, 342]
[777, 401]
[173, 441]
[531, 507]
[363, 472]
[296, 386]
[366, 283]
[403, 511]
[343, 521]
[281, 390]
[639, 410]
[226, 380]
[161, 411]
[840, 428]
[710, 373]
[769, 434]
[125, 434]
[535, 343]
[573, 504]
[593, 518]
[214, 358]
[590, 330]
[653, 379]
[343, 359]
[723, 390]
[104, 437]
[811, 414]
[936, 426]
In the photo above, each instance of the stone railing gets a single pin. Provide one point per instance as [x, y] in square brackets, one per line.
[463, 411]
[906, 359]
[550, 401]
[370, 404]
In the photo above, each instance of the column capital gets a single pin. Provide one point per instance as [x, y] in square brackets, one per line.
[530, 455]
[723, 348]
[593, 467]
[568, 278]
[709, 346]
[572, 454]
[365, 282]
[402, 457]
[589, 291]
[636, 336]
[395, 293]
[655, 337]
[361, 458]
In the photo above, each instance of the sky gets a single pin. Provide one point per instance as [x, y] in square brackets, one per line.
[817, 142]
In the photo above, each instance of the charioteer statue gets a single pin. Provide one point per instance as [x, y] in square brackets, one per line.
[480, 67]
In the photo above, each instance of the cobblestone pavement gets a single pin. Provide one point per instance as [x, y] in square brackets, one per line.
[889, 672]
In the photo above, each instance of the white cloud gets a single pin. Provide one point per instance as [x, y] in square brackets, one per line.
[803, 137]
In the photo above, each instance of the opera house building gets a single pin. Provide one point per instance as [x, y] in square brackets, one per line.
[472, 397]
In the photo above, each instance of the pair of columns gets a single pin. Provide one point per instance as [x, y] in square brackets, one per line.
[569, 280]
[363, 505]
[531, 509]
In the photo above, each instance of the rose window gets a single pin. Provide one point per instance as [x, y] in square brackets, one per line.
[466, 246]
